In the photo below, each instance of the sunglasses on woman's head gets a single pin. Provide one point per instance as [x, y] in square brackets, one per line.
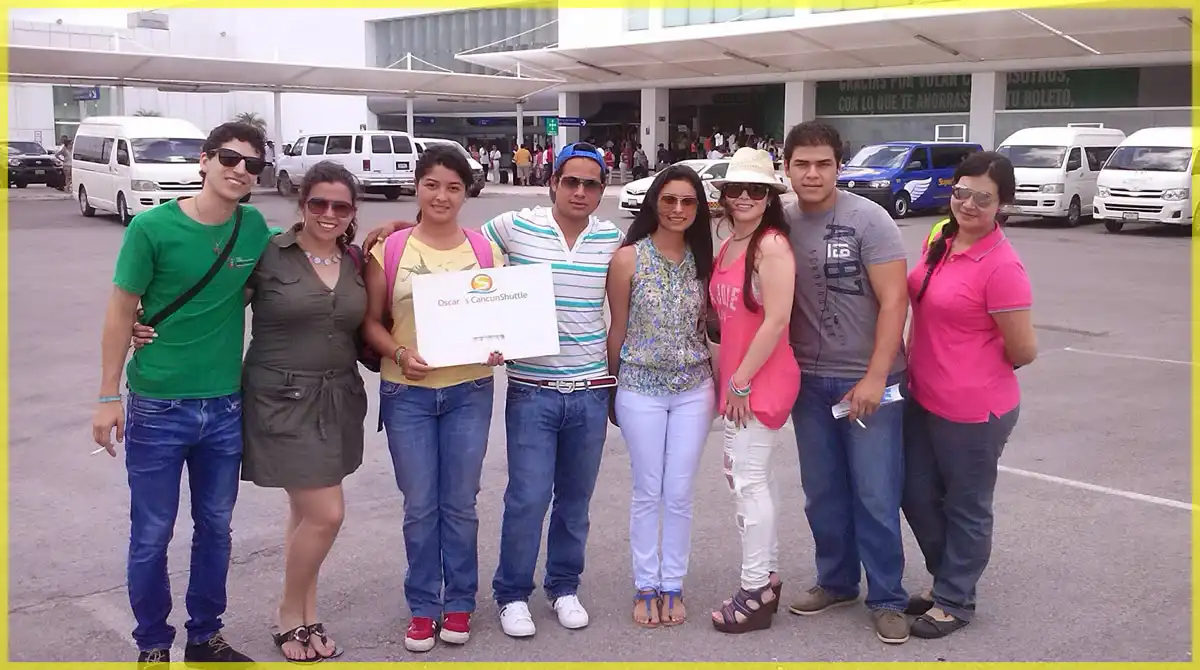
[318, 207]
[230, 158]
[981, 198]
[670, 201]
[755, 191]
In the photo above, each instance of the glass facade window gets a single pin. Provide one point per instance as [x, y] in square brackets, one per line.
[437, 38]
[712, 11]
[69, 109]
[637, 19]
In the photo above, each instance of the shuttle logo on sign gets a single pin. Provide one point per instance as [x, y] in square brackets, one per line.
[481, 284]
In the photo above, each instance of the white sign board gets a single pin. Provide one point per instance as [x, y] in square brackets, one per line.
[462, 317]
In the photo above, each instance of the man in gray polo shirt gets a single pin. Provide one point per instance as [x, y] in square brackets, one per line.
[847, 330]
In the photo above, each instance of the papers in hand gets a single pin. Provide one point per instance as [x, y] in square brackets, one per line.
[891, 394]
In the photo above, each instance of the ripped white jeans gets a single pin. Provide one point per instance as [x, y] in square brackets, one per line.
[751, 479]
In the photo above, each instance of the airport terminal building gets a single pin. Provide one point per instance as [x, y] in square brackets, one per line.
[919, 72]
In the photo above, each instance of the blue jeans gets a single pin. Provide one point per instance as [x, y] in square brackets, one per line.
[853, 481]
[950, 480]
[161, 436]
[438, 438]
[555, 443]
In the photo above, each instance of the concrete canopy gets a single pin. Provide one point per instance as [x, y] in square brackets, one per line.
[83, 67]
[866, 43]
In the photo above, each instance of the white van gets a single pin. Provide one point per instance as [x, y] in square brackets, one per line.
[1148, 179]
[1057, 168]
[476, 169]
[383, 161]
[129, 164]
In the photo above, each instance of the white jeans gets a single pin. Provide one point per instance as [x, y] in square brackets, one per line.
[748, 454]
[666, 436]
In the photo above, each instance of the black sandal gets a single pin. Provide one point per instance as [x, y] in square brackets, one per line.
[317, 630]
[756, 618]
[928, 628]
[298, 634]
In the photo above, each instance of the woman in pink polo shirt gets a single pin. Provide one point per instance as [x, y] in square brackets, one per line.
[971, 329]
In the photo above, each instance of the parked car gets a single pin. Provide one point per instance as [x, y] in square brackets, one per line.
[31, 163]
[905, 177]
[474, 189]
[635, 191]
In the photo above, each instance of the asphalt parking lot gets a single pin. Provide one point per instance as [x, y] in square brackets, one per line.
[1091, 559]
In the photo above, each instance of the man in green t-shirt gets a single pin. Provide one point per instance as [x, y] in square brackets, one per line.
[184, 404]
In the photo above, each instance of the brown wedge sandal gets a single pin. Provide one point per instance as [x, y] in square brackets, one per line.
[757, 614]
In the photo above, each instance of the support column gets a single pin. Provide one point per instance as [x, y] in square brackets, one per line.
[520, 123]
[988, 90]
[277, 121]
[411, 123]
[656, 129]
[799, 103]
[568, 105]
[119, 93]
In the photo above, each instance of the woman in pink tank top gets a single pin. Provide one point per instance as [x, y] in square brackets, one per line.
[758, 379]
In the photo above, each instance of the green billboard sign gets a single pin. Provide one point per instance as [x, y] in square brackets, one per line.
[895, 95]
[1073, 89]
[1032, 90]
[551, 125]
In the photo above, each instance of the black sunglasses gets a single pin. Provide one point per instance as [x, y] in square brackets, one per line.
[755, 191]
[230, 159]
[341, 208]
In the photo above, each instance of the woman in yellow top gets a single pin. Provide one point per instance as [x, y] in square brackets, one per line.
[437, 419]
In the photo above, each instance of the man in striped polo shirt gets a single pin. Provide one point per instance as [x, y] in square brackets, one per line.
[557, 410]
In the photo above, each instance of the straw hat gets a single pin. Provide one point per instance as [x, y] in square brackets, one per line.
[751, 166]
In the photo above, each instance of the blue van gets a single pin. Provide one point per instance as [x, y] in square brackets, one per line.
[905, 177]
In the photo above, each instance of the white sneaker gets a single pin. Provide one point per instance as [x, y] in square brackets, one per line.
[570, 612]
[516, 620]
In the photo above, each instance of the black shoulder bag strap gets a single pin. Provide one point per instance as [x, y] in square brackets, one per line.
[208, 277]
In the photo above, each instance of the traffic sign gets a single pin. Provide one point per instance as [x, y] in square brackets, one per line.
[551, 125]
[572, 121]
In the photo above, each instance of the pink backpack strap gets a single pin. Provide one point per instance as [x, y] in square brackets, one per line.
[393, 251]
[482, 248]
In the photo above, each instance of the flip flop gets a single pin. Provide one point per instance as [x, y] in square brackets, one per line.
[317, 630]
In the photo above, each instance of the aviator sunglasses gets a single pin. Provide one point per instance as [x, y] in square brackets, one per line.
[755, 191]
[573, 183]
[981, 198]
[670, 201]
[230, 158]
[318, 206]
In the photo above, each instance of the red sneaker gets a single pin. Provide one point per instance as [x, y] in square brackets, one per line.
[419, 636]
[456, 628]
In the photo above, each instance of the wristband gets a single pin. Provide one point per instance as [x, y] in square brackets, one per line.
[109, 398]
[398, 355]
[739, 392]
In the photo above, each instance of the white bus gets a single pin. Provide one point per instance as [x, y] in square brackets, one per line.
[1057, 168]
[128, 164]
[1148, 179]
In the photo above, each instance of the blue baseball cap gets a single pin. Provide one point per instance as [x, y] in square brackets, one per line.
[580, 150]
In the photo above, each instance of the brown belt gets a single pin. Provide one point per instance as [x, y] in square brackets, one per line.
[568, 386]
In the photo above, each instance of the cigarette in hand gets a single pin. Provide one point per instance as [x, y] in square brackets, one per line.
[860, 423]
[96, 451]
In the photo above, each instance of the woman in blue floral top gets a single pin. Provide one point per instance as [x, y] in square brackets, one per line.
[664, 404]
